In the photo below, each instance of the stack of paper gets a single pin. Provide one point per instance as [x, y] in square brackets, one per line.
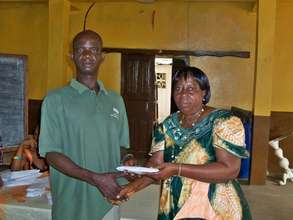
[23, 173]
[17, 178]
[38, 188]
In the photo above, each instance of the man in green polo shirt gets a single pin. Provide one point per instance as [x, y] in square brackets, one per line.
[83, 127]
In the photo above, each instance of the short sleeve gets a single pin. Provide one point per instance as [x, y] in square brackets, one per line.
[158, 141]
[124, 128]
[50, 135]
[229, 134]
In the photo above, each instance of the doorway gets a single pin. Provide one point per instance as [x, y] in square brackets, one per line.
[138, 89]
[163, 71]
[146, 89]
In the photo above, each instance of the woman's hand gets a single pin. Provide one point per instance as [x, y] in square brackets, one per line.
[166, 170]
[28, 154]
[30, 150]
[126, 192]
[30, 144]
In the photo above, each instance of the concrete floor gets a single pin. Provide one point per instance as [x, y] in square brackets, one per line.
[268, 202]
[271, 201]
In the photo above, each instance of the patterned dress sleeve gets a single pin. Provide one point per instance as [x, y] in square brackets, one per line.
[158, 141]
[229, 134]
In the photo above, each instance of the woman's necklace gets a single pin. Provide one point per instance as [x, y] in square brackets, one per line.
[196, 116]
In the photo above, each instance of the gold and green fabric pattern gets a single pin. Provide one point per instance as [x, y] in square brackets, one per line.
[185, 198]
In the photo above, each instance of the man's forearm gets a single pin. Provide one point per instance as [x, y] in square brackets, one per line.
[105, 182]
[66, 166]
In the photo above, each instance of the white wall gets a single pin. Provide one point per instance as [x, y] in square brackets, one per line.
[164, 94]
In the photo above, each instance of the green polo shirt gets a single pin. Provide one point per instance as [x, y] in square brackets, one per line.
[89, 129]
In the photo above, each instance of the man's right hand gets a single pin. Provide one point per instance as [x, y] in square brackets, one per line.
[107, 184]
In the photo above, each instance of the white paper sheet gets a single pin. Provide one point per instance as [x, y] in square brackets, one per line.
[17, 178]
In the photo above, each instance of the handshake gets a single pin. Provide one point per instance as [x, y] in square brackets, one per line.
[107, 184]
[138, 177]
[135, 176]
[125, 193]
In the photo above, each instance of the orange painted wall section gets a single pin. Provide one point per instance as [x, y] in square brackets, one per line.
[165, 25]
[231, 80]
[282, 91]
[109, 70]
[24, 30]
[184, 26]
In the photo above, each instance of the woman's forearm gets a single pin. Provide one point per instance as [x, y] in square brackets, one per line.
[142, 183]
[40, 163]
[17, 160]
[225, 168]
[213, 172]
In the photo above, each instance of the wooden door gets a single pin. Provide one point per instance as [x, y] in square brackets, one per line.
[139, 92]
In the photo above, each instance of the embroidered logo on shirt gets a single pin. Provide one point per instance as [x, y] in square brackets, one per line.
[115, 113]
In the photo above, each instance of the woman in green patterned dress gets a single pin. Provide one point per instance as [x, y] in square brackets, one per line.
[198, 151]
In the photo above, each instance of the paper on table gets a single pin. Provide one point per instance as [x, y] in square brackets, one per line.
[23, 173]
[38, 188]
[41, 182]
[17, 178]
[35, 192]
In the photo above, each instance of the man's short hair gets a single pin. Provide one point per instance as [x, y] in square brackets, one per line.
[86, 33]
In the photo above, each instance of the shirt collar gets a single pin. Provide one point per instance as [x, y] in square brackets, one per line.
[81, 88]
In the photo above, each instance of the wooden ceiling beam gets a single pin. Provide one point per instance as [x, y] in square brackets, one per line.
[196, 53]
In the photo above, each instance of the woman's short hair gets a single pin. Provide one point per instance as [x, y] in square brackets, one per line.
[198, 75]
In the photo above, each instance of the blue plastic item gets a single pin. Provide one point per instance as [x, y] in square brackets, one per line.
[245, 163]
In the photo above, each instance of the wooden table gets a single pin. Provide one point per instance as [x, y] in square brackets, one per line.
[14, 205]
